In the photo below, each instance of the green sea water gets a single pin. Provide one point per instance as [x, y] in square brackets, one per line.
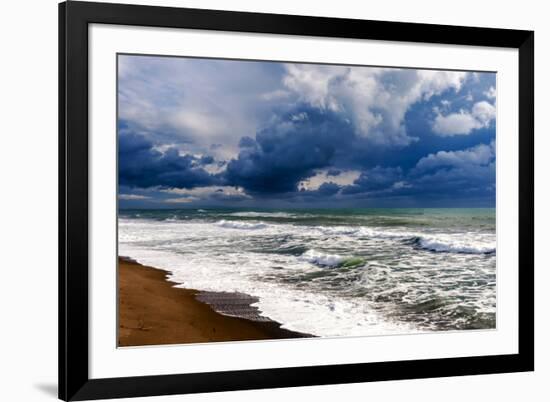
[332, 272]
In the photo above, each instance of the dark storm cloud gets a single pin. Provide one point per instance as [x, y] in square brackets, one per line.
[466, 173]
[375, 179]
[446, 176]
[296, 145]
[333, 172]
[206, 160]
[289, 151]
[327, 189]
[142, 166]
[294, 122]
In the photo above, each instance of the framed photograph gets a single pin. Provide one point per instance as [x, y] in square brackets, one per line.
[257, 201]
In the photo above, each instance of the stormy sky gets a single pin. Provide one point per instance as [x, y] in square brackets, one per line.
[207, 132]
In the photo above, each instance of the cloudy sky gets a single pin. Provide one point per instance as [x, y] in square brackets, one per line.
[206, 132]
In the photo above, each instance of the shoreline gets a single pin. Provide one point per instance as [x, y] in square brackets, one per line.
[151, 311]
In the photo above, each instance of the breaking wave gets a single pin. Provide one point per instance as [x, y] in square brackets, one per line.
[240, 225]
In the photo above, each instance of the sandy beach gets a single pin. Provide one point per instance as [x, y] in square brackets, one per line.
[153, 312]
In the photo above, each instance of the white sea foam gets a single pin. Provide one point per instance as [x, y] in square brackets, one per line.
[322, 259]
[456, 245]
[251, 257]
[240, 225]
[253, 214]
[297, 310]
[467, 243]
[226, 268]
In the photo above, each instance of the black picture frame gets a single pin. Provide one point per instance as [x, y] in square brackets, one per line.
[74, 18]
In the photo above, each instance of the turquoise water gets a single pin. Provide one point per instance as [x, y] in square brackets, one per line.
[331, 272]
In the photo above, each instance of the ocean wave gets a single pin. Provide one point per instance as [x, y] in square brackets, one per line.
[338, 236]
[441, 242]
[339, 230]
[303, 271]
[453, 246]
[240, 225]
[330, 260]
[322, 259]
[252, 214]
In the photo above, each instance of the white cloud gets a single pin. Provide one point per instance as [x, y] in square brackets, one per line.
[344, 178]
[463, 122]
[197, 122]
[311, 83]
[481, 154]
[196, 102]
[375, 99]
[214, 168]
[484, 112]
[211, 193]
[133, 197]
[454, 123]
[180, 200]
[275, 95]
[299, 117]
[491, 93]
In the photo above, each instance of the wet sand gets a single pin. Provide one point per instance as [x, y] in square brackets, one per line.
[153, 312]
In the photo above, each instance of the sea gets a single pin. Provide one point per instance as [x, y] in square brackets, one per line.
[331, 272]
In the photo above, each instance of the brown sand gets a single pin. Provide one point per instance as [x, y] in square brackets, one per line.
[153, 312]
